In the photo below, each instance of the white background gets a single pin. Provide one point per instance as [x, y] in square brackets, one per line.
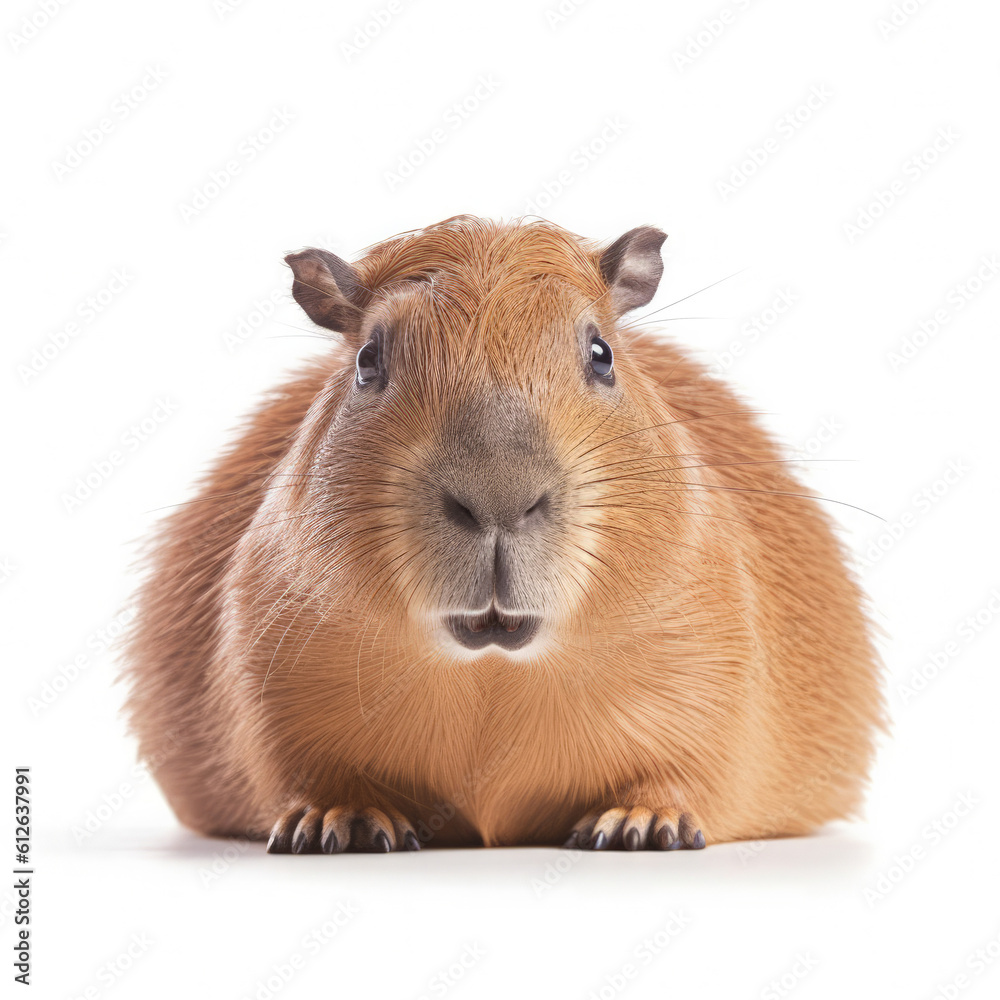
[591, 120]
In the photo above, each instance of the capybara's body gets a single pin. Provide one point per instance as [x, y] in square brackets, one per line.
[467, 580]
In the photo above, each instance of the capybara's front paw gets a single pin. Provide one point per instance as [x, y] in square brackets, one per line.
[636, 828]
[317, 829]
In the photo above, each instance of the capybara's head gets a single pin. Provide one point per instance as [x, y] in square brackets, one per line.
[484, 470]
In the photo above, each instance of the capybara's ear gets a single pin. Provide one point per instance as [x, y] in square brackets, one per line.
[327, 288]
[632, 268]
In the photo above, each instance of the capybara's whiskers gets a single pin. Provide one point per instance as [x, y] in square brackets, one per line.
[641, 320]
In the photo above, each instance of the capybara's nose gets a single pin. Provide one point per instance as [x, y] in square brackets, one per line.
[503, 509]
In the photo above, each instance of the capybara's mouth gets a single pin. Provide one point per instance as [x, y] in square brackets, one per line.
[494, 626]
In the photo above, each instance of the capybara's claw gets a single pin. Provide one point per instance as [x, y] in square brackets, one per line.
[314, 829]
[637, 828]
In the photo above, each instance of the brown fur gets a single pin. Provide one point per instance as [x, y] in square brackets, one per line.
[707, 650]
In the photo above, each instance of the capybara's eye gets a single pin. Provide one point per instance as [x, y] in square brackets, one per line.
[367, 363]
[601, 358]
